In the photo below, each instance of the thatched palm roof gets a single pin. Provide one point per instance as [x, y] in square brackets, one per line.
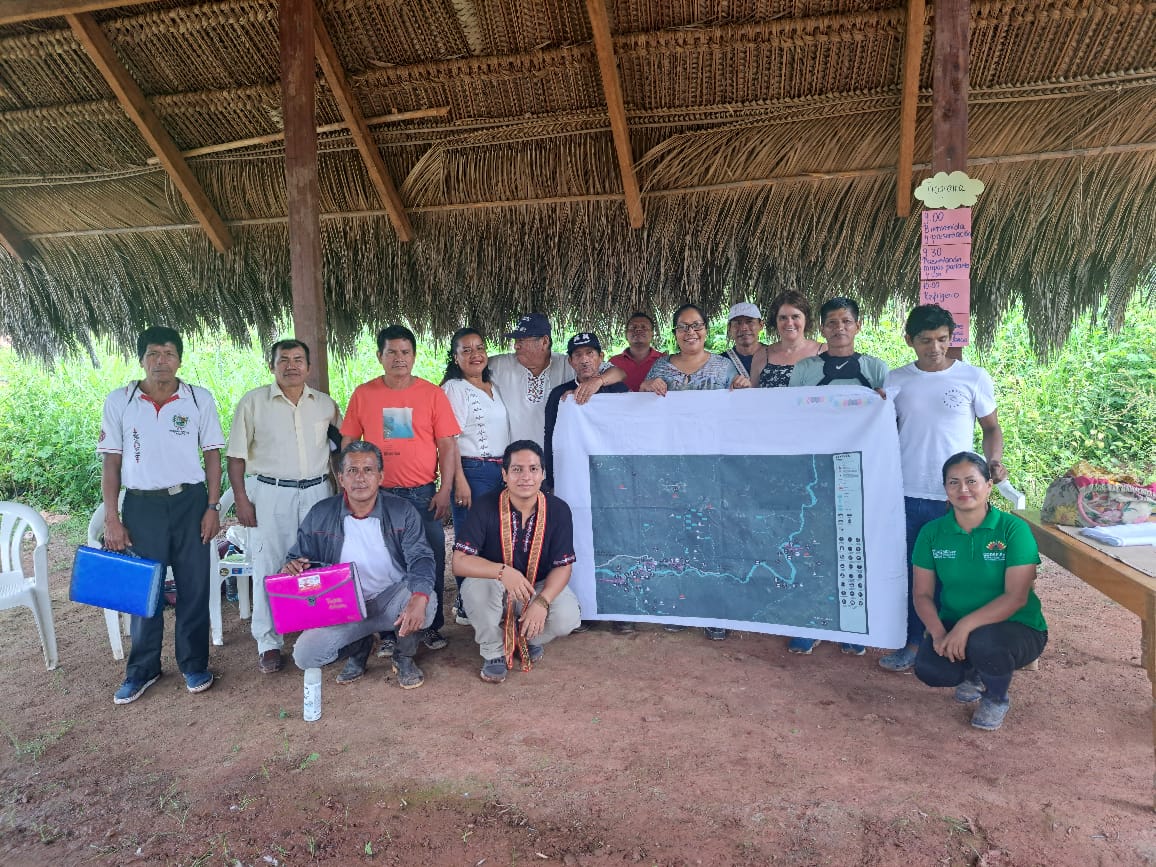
[765, 135]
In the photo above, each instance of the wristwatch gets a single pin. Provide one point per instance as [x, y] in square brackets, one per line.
[216, 507]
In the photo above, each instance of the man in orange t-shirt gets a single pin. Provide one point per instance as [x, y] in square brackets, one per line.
[413, 424]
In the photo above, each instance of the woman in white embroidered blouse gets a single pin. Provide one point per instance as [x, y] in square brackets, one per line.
[483, 419]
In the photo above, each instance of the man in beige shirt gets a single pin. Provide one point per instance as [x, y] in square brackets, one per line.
[278, 459]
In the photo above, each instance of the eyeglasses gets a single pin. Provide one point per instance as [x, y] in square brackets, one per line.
[684, 327]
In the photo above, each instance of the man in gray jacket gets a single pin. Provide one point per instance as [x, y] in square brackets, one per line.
[384, 536]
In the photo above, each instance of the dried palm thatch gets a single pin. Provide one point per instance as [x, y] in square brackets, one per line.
[764, 134]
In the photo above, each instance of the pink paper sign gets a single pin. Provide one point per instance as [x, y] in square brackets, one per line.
[945, 262]
[962, 334]
[951, 295]
[951, 226]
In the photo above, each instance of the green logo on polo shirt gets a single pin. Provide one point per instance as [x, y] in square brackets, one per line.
[180, 422]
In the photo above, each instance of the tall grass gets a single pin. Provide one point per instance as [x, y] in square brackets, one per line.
[1095, 401]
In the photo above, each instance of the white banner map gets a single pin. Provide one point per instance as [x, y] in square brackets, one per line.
[768, 510]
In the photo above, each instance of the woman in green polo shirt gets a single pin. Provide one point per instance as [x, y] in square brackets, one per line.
[987, 622]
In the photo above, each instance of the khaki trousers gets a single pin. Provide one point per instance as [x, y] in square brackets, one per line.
[280, 512]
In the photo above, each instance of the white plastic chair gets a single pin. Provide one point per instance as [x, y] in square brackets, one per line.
[118, 624]
[1013, 496]
[18, 589]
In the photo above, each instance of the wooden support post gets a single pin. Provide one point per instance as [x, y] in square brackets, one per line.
[612, 88]
[303, 193]
[949, 87]
[949, 94]
[13, 240]
[132, 100]
[912, 58]
[359, 130]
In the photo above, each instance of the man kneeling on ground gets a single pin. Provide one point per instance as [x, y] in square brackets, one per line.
[383, 535]
[515, 553]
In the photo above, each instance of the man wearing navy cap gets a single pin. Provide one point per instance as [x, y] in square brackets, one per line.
[584, 353]
[528, 375]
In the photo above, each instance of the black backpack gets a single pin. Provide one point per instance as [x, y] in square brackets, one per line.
[843, 367]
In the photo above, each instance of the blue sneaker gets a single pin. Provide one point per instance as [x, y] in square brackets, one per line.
[902, 659]
[803, 645]
[970, 691]
[199, 681]
[990, 714]
[537, 651]
[131, 690]
[853, 649]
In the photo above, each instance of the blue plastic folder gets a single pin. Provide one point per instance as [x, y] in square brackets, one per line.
[122, 582]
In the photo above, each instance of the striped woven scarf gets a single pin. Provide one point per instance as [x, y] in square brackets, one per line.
[512, 639]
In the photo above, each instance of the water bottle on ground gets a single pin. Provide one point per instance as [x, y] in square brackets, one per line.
[312, 711]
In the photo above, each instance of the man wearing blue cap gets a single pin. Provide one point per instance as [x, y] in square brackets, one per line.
[526, 377]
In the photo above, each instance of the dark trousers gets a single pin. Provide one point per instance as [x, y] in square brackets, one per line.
[994, 651]
[916, 513]
[168, 530]
[436, 536]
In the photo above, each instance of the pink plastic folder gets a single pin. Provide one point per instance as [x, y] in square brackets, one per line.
[317, 597]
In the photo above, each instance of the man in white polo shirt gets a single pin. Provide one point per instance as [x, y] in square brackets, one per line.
[526, 377]
[152, 436]
[278, 459]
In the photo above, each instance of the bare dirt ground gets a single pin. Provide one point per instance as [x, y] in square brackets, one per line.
[655, 749]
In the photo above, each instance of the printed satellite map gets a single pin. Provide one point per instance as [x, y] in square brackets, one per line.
[774, 539]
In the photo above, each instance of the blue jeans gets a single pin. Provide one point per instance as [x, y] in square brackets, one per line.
[482, 476]
[917, 512]
[435, 534]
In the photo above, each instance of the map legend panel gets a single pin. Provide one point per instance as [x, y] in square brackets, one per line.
[852, 572]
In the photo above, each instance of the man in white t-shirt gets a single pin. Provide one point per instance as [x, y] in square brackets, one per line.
[526, 377]
[384, 536]
[937, 401]
[154, 434]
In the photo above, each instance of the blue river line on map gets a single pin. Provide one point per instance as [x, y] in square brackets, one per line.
[688, 535]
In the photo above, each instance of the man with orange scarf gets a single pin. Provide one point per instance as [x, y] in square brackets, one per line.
[515, 552]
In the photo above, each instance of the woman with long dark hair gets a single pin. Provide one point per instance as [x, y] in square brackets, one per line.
[484, 422]
[987, 621]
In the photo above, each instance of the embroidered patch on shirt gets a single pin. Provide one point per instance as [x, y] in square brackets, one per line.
[943, 553]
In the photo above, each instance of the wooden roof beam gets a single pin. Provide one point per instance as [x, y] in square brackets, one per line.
[13, 240]
[612, 88]
[359, 129]
[132, 99]
[912, 58]
[13, 11]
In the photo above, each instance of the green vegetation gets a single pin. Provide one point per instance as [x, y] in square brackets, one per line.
[1095, 401]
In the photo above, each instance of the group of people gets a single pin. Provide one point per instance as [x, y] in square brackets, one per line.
[487, 435]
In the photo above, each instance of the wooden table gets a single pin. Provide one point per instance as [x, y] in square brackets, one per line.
[1118, 581]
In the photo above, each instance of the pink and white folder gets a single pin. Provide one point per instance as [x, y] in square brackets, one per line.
[318, 597]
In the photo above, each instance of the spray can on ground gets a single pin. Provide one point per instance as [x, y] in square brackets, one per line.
[312, 710]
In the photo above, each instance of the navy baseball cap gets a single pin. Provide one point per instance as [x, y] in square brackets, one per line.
[531, 325]
[583, 339]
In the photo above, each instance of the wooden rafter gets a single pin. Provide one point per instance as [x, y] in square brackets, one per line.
[13, 11]
[912, 58]
[612, 88]
[226, 146]
[13, 240]
[359, 130]
[132, 99]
